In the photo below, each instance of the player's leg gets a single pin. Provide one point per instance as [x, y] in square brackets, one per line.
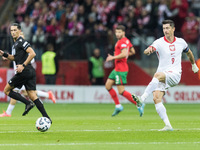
[128, 96]
[48, 95]
[158, 77]
[8, 90]
[109, 83]
[10, 108]
[33, 96]
[161, 110]
[125, 93]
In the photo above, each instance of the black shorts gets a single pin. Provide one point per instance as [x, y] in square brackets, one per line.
[27, 78]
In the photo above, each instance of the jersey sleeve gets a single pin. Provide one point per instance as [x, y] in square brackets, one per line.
[24, 44]
[155, 45]
[124, 44]
[185, 46]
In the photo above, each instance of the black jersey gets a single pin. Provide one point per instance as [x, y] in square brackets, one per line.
[20, 47]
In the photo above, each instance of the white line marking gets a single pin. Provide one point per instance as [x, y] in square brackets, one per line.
[124, 130]
[107, 143]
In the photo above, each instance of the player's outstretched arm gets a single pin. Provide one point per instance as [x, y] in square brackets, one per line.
[6, 55]
[123, 54]
[190, 56]
[149, 50]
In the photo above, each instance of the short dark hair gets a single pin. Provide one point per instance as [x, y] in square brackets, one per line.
[17, 24]
[170, 22]
[120, 27]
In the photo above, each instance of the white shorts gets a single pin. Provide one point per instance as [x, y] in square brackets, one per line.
[19, 90]
[172, 79]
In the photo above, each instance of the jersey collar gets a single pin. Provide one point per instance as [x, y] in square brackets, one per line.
[168, 41]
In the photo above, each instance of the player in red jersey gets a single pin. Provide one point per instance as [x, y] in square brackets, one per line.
[123, 48]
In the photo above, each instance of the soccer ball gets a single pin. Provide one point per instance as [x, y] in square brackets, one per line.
[43, 124]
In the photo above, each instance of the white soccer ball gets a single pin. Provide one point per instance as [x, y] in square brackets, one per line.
[43, 124]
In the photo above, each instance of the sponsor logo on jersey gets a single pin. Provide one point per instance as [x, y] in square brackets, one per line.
[123, 45]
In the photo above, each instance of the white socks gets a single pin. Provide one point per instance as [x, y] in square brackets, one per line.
[161, 110]
[150, 88]
[10, 109]
[42, 94]
[118, 105]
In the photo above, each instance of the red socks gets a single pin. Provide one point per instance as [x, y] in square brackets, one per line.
[129, 97]
[114, 96]
[125, 94]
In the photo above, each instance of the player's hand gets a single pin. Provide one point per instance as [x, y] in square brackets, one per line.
[109, 58]
[20, 68]
[4, 58]
[149, 50]
[1, 52]
[195, 69]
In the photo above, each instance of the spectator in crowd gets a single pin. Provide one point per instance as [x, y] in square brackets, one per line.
[138, 7]
[164, 13]
[36, 11]
[182, 6]
[21, 10]
[53, 32]
[40, 23]
[27, 26]
[44, 15]
[38, 41]
[49, 65]
[90, 43]
[60, 11]
[96, 69]
[144, 22]
[190, 31]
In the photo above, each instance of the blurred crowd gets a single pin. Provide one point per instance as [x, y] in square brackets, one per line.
[52, 20]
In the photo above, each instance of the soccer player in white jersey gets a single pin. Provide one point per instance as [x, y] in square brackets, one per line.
[169, 52]
[11, 106]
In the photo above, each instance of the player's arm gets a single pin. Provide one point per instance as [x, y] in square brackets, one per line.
[190, 56]
[6, 55]
[149, 50]
[31, 55]
[123, 54]
[132, 51]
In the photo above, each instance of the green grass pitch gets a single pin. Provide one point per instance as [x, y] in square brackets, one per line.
[91, 127]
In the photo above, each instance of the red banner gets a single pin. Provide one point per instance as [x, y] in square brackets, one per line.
[3, 81]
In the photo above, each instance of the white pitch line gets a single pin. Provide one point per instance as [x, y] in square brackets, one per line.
[124, 130]
[106, 143]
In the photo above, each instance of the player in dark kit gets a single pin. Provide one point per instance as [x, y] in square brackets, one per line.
[25, 73]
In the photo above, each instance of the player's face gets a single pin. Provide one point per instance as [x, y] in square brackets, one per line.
[168, 30]
[15, 32]
[119, 34]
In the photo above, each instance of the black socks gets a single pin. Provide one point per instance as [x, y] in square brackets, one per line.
[18, 97]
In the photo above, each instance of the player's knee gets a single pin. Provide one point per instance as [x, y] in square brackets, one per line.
[121, 92]
[156, 99]
[108, 86]
[6, 91]
[157, 75]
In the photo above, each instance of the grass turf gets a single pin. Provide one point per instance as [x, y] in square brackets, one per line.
[91, 127]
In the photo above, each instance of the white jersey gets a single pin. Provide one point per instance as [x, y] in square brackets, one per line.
[14, 64]
[169, 54]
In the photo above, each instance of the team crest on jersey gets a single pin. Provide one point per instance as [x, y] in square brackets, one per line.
[172, 47]
[127, 41]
